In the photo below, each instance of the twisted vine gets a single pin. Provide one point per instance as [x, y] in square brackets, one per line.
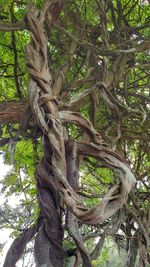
[49, 119]
[45, 109]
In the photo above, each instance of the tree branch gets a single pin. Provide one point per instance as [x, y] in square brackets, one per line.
[16, 249]
[8, 26]
[12, 111]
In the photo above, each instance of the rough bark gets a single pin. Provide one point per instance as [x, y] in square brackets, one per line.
[48, 243]
[45, 109]
[71, 220]
[12, 111]
[57, 173]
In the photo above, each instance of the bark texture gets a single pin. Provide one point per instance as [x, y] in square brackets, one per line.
[48, 243]
[12, 111]
[58, 172]
[45, 109]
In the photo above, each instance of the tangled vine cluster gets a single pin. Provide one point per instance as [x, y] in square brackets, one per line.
[60, 195]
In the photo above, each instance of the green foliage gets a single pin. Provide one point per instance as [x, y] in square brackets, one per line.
[110, 256]
[82, 24]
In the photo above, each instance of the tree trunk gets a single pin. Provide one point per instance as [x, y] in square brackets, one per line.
[132, 251]
[48, 244]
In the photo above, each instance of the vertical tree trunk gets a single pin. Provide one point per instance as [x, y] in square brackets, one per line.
[49, 240]
[132, 251]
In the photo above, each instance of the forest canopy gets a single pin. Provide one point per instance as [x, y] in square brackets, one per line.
[75, 128]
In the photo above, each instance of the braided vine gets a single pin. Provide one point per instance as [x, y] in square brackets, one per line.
[45, 109]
